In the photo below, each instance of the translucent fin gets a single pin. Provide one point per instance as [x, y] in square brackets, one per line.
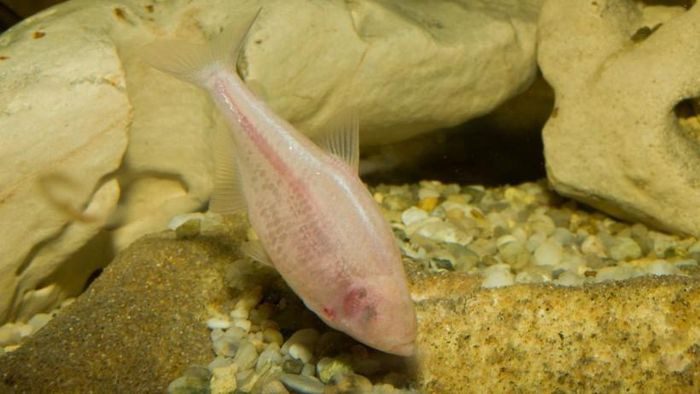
[257, 88]
[190, 61]
[227, 197]
[341, 138]
[256, 251]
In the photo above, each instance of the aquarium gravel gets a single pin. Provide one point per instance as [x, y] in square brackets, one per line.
[508, 235]
[525, 234]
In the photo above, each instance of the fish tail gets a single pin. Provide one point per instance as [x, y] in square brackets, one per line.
[192, 62]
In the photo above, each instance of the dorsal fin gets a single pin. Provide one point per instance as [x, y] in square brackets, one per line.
[340, 137]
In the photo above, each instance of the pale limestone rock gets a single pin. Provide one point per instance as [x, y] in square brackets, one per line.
[63, 112]
[618, 138]
[73, 89]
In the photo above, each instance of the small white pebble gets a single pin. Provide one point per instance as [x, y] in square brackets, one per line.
[242, 324]
[218, 323]
[306, 337]
[548, 253]
[569, 279]
[223, 379]
[498, 275]
[300, 352]
[413, 215]
[271, 335]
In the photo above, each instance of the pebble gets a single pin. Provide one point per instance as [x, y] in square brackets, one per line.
[243, 324]
[498, 275]
[302, 384]
[218, 323]
[624, 248]
[300, 352]
[271, 335]
[306, 337]
[274, 387]
[328, 367]
[246, 356]
[225, 346]
[413, 215]
[548, 253]
[271, 355]
[223, 379]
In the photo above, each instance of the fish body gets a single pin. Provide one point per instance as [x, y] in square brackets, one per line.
[316, 220]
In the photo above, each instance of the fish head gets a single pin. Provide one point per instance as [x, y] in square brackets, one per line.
[380, 313]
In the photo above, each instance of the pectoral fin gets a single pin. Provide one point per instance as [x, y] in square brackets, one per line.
[256, 251]
[341, 138]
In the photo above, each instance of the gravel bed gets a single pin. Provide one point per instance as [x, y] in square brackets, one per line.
[257, 352]
[526, 234]
[509, 235]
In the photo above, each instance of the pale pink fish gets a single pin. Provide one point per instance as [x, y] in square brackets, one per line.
[316, 221]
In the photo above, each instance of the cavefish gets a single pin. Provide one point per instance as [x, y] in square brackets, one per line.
[316, 221]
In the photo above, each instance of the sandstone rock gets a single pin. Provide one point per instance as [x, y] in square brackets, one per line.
[72, 89]
[623, 135]
[639, 335]
[136, 329]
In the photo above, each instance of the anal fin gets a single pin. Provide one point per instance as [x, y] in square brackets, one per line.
[227, 197]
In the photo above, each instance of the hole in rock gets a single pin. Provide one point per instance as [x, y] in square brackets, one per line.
[687, 113]
[687, 4]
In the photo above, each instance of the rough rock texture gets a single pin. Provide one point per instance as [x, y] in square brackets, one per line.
[136, 328]
[72, 89]
[637, 335]
[63, 131]
[143, 321]
[623, 135]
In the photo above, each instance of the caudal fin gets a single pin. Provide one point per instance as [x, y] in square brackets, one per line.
[189, 61]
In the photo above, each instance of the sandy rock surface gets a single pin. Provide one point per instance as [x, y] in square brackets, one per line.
[136, 329]
[641, 335]
[134, 145]
[623, 135]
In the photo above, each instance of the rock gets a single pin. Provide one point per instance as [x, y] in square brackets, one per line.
[638, 334]
[137, 327]
[302, 384]
[64, 121]
[473, 56]
[623, 134]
